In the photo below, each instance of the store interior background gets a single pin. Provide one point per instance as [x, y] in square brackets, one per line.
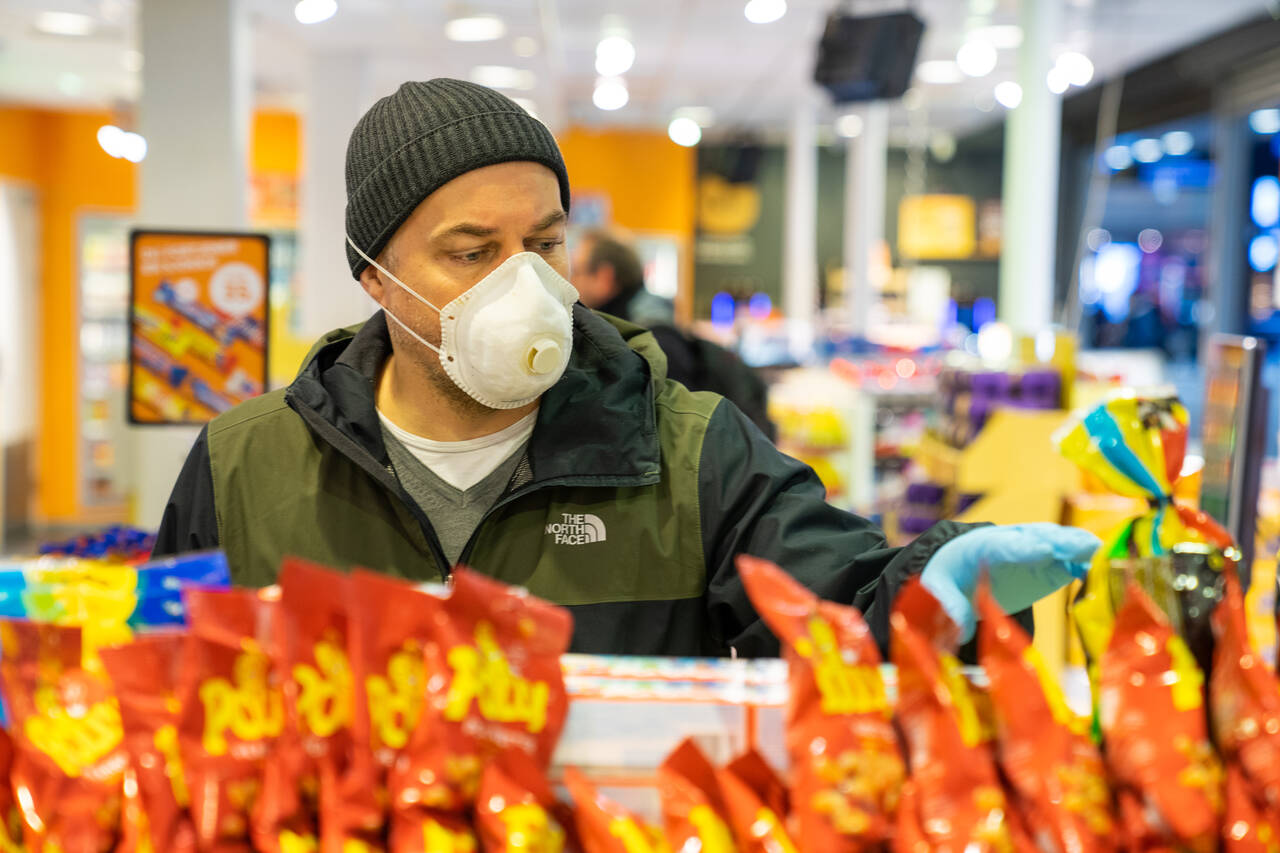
[791, 229]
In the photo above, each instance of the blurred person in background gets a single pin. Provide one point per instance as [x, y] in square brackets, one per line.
[609, 276]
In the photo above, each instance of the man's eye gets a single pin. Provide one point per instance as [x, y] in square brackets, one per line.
[471, 257]
[548, 245]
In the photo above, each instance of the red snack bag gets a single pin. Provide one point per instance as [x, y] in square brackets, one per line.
[693, 808]
[494, 684]
[1055, 771]
[1244, 698]
[231, 710]
[756, 802]
[300, 781]
[1151, 709]
[516, 808]
[388, 624]
[960, 804]
[1248, 826]
[69, 755]
[145, 675]
[846, 763]
[10, 816]
[434, 832]
[606, 827]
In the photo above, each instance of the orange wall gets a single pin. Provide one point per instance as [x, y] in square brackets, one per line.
[58, 153]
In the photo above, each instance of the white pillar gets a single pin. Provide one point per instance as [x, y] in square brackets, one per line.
[866, 164]
[800, 236]
[337, 95]
[1031, 177]
[194, 113]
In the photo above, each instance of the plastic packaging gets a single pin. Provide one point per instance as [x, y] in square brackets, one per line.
[516, 811]
[694, 814]
[606, 827]
[756, 802]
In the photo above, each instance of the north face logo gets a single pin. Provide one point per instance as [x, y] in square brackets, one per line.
[576, 529]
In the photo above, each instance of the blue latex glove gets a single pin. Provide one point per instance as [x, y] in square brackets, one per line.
[1025, 562]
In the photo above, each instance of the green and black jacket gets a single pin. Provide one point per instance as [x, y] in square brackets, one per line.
[632, 500]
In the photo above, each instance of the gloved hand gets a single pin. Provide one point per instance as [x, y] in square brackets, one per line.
[1025, 562]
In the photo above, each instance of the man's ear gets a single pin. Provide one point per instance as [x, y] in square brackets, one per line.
[371, 281]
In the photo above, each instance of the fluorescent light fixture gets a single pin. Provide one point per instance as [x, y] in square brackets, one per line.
[610, 94]
[1147, 150]
[1118, 158]
[1000, 36]
[1176, 143]
[614, 56]
[977, 58]
[939, 71]
[849, 125]
[315, 11]
[1077, 67]
[684, 131]
[503, 77]
[525, 47]
[1265, 122]
[765, 11]
[1009, 94]
[475, 28]
[1057, 80]
[64, 24]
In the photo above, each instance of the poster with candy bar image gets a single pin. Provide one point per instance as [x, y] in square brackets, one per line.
[198, 318]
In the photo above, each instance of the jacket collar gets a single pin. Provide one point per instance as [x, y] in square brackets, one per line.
[596, 426]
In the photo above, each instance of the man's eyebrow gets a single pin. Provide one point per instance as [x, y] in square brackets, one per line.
[466, 229]
[549, 220]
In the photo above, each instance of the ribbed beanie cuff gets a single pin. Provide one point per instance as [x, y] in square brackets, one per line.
[413, 142]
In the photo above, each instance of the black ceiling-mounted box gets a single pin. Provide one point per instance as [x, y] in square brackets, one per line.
[868, 58]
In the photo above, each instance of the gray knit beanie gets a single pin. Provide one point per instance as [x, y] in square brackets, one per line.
[411, 143]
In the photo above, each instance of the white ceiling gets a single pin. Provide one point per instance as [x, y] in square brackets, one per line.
[689, 52]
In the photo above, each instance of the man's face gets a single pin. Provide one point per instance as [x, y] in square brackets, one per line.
[595, 287]
[458, 235]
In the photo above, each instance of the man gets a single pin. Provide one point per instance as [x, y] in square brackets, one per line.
[482, 417]
[609, 278]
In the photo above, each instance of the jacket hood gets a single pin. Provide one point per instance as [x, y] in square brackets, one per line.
[596, 426]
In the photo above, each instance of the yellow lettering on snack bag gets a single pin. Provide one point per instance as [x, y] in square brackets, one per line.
[324, 690]
[712, 831]
[440, 839]
[246, 706]
[636, 838]
[355, 845]
[768, 829]
[845, 688]
[961, 700]
[531, 830]
[75, 741]
[166, 743]
[481, 672]
[1188, 686]
[395, 701]
[291, 842]
[1058, 708]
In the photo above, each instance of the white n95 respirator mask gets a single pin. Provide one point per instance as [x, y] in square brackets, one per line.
[507, 339]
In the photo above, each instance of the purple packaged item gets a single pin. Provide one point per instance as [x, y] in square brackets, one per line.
[925, 494]
[996, 387]
[1041, 389]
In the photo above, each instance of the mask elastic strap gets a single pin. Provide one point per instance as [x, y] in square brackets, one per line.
[407, 289]
[380, 268]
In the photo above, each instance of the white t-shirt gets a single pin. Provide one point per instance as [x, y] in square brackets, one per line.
[462, 464]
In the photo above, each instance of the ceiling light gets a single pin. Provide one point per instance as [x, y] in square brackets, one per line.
[64, 24]
[1118, 158]
[942, 146]
[849, 125]
[109, 138]
[1001, 36]
[475, 28]
[1076, 66]
[610, 94]
[939, 71]
[1009, 94]
[1177, 143]
[1147, 150]
[525, 47]
[315, 11]
[132, 61]
[122, 144]
[977, 58]
[684, 131]
[503, 77]
[1265, 122]
[614, 55]
[1057, 80]
[765, 11]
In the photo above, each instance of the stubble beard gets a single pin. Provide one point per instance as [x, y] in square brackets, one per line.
[426, 365]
